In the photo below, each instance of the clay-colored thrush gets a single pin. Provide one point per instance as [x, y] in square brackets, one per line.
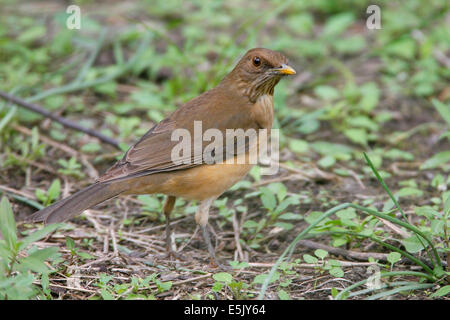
[242, 100]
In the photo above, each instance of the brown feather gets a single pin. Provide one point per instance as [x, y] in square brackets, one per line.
[243, 100]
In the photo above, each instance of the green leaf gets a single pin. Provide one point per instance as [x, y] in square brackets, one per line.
[91, 147]
[339, 242]
[436, 160]
[36, 261]
[70, 244]
[357, 136]
[403, 48]
[164, 286]
[38, 235]
[310, 259]
[370, 94]
[286, 203]
[441, 292]
[31, 34]
[259, 279]
[412, 244]
[351, 44]
[447, 205]
[309, 123]
[40, 195]
[348, 213]
[437, 226]
[334, 263]
[45, 284]
[336, 272]
[291, 216]
[326, 92]
[238, 264]
[54, 190]
[349, 223]
[444, 110]
[8, 224]
[279, 189]
[268, 199]
[320, 253]
[147, 99]
[393, 257]
[326, 162]
[107, 88]
[298, 145]
[106, 295]
[151, 203]
[53, 103]
[427, 211]
[104, 278]
[313, 216]
[224, 277]
[338, 24]
[336, 150]
[84, 255]
[362, 122]
[217, 286]
[283, 295]
[334, 292]
[409, 192]
[250, 224]
[19, 287]
[396, 154]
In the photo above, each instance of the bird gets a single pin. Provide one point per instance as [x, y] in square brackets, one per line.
[242, 100]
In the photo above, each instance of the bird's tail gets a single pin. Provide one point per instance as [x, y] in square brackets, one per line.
[76, 203]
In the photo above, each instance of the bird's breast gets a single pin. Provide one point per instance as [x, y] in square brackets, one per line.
[262, 111]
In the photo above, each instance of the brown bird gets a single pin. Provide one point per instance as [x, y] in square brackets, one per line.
[242, 100]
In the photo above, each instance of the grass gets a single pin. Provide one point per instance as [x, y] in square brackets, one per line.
[434, 275]
[364, 140]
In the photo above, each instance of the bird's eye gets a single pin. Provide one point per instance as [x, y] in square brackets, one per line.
[257, 61]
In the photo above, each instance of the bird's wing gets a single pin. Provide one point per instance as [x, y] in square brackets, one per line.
[153, 152]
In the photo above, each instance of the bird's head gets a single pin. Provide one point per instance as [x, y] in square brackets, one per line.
[259, 71]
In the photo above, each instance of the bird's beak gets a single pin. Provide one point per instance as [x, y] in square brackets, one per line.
[284, 70]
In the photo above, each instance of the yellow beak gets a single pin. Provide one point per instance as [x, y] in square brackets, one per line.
[285, 69]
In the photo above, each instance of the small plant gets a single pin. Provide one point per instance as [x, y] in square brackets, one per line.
[393, 257]
[435, 274]
[22, 150]
[71, 168]
[276, 201]
[441, 158]
[225, 280]
[75, 252]
[137, 288]
[330, 265]
[20, 264]
[51, 195]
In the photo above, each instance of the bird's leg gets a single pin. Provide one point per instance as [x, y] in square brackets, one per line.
[211, 250]
[169, 203]
[201, 217]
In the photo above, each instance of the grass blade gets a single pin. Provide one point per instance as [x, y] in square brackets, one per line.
[386, 188]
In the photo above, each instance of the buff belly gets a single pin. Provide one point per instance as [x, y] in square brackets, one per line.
[197, 183]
